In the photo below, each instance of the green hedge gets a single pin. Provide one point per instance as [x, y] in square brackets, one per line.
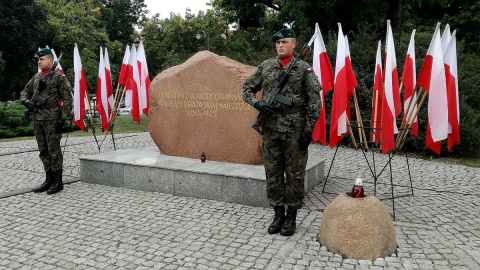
[12, 123]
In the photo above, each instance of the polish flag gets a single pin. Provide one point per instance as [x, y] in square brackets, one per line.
[394, 74]
[338, 123]
[377, 97]
[122, 78]
[432, 79]
[351, 80]
[450, 58]
[323, 70]
[409, 79]
[391, 94]
[102, 94]
[133, 85]
[79, 90]
[108, 78]
[446, 37]
[144, 79]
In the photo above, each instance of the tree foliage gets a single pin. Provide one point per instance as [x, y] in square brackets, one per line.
[120, 17]
[19, 21]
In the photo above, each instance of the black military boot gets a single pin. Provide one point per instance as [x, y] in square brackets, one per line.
[46, 185]
[278, 220]
[288, 227]
[57, 183]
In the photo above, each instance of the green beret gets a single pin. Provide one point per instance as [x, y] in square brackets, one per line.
[284, 33]
[43, 52]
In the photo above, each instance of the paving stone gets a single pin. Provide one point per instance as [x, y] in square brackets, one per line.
[99, 227]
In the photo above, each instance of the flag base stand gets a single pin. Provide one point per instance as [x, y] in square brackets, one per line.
[375, 166]
[113, 138]
[90, 125]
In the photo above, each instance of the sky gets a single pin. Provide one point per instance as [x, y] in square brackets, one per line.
[164, 7]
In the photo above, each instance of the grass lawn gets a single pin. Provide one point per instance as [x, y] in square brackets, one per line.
[123, 124]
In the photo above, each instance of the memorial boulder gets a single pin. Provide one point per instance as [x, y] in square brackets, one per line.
[196, 108]
[358, 228]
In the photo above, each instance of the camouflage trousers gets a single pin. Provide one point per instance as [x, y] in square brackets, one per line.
[48, 142]
[285, 166]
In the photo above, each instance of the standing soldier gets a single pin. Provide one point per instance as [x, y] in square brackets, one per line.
[48, 96]
[287, 129]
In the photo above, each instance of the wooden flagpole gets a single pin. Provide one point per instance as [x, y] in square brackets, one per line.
[117, 105]
[114, 110]
[410, 120]
[361, 130]
[406, 121]
[350, 132]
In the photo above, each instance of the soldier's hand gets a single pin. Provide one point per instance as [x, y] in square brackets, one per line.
[59, 125]
[26, 117]
[304, 140]
[29, 104]
[263, 107]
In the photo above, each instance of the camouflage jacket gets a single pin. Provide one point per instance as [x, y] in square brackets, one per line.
[56, 88]
[302, 87]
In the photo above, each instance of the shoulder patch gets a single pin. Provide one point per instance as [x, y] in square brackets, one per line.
[309, 70]
[314, 81]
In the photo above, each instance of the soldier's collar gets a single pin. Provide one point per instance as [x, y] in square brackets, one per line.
[285, 60]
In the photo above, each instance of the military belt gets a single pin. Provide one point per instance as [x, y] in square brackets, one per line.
[49, 105]
[289, 110]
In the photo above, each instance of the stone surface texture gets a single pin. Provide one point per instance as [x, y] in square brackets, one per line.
[197, 107]
[358, 228]
[147, 169]
[88, 226]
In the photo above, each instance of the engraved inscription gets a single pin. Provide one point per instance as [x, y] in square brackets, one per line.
[200, 103]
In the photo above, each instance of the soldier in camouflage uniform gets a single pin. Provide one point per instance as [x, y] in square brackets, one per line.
[50, 109]
[287, 128]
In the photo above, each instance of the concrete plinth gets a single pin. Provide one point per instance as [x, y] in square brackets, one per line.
[149, 170]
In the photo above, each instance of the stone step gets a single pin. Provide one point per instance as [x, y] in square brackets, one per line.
[147, 169]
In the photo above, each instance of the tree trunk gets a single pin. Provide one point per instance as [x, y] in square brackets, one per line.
[395, 15]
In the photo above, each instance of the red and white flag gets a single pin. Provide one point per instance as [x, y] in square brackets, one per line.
[79, 90]
[108, 79]
[432, 79]
[390, 48]
[409, 80]
[377, 97]
[122, 77]
[446, 37]
[102, 94]
[133, 85]
[391, 94]
[351, 80]
[323, 70]
[338, 123]
[450, 58]
[144, 79]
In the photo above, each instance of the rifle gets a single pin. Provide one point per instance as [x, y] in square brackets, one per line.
[36, 98]
[279, 83]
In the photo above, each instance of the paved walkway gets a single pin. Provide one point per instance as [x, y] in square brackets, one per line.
[97, 227]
